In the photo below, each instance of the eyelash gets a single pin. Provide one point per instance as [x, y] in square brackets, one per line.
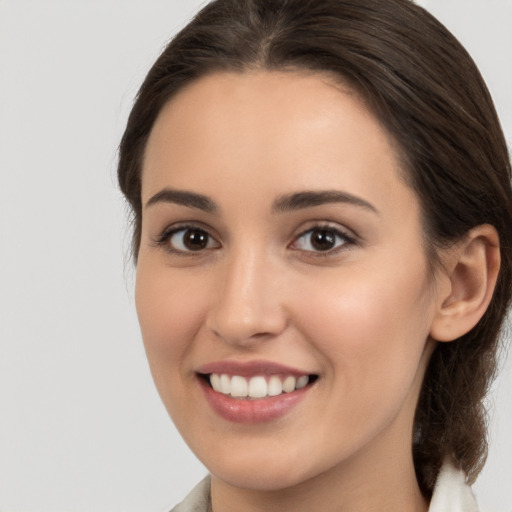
[347, 240]
[167, 234]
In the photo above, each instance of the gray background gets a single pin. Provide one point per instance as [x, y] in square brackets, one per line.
[81, 426]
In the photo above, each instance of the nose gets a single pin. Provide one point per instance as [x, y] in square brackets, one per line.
[247, 308]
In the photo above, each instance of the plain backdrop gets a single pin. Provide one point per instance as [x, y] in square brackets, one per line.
[81, 426]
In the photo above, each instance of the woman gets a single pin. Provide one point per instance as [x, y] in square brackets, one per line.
[322, 231]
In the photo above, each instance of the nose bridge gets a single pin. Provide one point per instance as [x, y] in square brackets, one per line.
[248, 305]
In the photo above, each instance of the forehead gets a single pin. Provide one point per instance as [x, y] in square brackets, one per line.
[269, 131]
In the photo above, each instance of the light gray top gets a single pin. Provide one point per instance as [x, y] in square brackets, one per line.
[451, 494]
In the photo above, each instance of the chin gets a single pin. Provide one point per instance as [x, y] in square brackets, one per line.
[264, 470]
[263, 478]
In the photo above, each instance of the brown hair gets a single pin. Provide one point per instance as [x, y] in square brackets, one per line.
[427, 92]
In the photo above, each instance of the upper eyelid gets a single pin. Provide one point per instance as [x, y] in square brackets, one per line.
[162, 240]
[163, 237]
[351, 240]
[329, 225]
[182, 226]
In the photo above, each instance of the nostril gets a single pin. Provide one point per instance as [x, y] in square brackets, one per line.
[245, 318]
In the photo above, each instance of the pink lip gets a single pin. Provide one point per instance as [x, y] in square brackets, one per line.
[251, 410]
[249, 368]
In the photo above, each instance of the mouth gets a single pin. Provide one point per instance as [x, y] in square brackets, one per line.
[251, 392]
[256, 387]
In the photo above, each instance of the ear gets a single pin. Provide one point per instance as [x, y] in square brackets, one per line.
[469, 278]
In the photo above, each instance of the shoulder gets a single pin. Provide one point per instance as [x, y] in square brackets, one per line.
[198, 500]
[451, 492]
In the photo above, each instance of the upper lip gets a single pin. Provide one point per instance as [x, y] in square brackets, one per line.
[249, 368]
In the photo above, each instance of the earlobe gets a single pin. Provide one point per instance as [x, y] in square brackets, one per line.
[472, 271]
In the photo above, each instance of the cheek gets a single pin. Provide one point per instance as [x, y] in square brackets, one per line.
[371, 336]
[169, 318]
[371, 327]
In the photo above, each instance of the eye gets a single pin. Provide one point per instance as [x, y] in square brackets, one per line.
[322, 239]
[188, 239]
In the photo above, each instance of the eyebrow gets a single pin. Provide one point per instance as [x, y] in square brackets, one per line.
[309, 199]
[286, 203]
[184, 198]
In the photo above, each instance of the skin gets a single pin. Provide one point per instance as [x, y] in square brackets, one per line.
[358, 316]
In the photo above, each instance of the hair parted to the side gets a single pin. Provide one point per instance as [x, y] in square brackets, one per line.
[427, 92]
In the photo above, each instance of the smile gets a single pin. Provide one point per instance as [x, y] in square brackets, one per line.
[259, 386]
[253, 392]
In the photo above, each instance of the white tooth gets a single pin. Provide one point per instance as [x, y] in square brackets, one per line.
[225, 384]
[274, 386]
[238, 386]
[289, 384]
[215, 381]
[302, 382]
[257, 387]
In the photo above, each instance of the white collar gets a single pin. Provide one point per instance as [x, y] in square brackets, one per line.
[451, 492]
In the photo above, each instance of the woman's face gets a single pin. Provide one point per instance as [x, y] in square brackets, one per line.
[282, 255]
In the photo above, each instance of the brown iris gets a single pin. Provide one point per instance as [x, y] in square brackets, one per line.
[195, 239]
[323, 239]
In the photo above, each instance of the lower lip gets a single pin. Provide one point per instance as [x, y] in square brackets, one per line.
[252, 410]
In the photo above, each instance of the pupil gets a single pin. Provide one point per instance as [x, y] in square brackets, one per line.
[195, 240]
[323, 240]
